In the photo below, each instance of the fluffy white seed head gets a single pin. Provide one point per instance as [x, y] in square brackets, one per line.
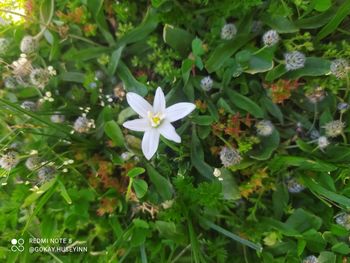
[207, 83]
[334, 128]
[32, 163]
[229, 156]
[294, 60]
[264, 128]
[322, 142]
[294, 186]
[310, 259]
[9, 160]
[28, 44]
[4, 45]
[83, 124]
[271, 38]
[343, 219]
[228, 31]
[340, 68]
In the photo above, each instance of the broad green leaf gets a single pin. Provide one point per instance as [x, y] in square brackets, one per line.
[244, 103]
[114, 132]
[322, 5]
[266, 147]
[148, 25]
[186, 69]
[34, 196]
[113, 63]
[135, 172]
[341, 248]
[302, 163]
[230, 189]
[203, 120]
[272, 108]
[262, 61]
[178, 39]
[332, 25]
[162, 185]
[130, 83]
[316, 21]
[140, 186]
[197, 157]
[327, 257]
[313, 67]
[72, 77]
[318, 189]
[224, 51]
[280, 23]
[276, 72]
[64, 193]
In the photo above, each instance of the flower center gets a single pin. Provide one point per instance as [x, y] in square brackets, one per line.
[155, 118]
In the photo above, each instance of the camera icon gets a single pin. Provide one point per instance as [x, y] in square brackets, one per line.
[17, 245]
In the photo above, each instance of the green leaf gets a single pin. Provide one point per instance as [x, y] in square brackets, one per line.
[148, 25]
[140, 186]
[114, 61]
[302, 220]
[230, 189]
[318, 189]
[280, 23]
[85, 54]
[314, 240]
[244, 103]
[276, 72]
[332, 25]
[272, 108]
[130, 83]
[341, 248]
[135, 172]
[262, 61]
[72, 77]
[186, 69]
[197, 47]
[64, 193]
[280, 199]
[327, 257]
[316, 21]
[197, 157]
[313, 67]
[280, 162]
[34, 196]
[322, 5]
[267, 146]
[178, 39]
[229, 234]
[203, 120]
[224, 51]
[114, 132]
[162, 185]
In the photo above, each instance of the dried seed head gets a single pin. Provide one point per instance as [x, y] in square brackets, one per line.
[343, 219]
[9, 160]
[229, 156]
[29, 105]
[271, 38]
[310, 259]
[207, 83]
[57, 118]
[32, 163]
[294, 60]
[228, 31]
[340, 68]
[334, 128]
[83, 124]
[322, 142]
[28, 44]
[294, 186]
[264, 128]
[39, 77]
[4, 45]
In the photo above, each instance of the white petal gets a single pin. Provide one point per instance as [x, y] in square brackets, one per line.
[178, 111]
[150, 143]
[159, 101]
[137, 125]
[169, 132]
[138, 104]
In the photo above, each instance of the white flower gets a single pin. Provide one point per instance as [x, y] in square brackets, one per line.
[228, 31]
[294, 60]
[310, 259]
[155, 120]
[270, 38]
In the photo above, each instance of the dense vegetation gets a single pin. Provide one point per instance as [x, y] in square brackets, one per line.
[261, 173]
